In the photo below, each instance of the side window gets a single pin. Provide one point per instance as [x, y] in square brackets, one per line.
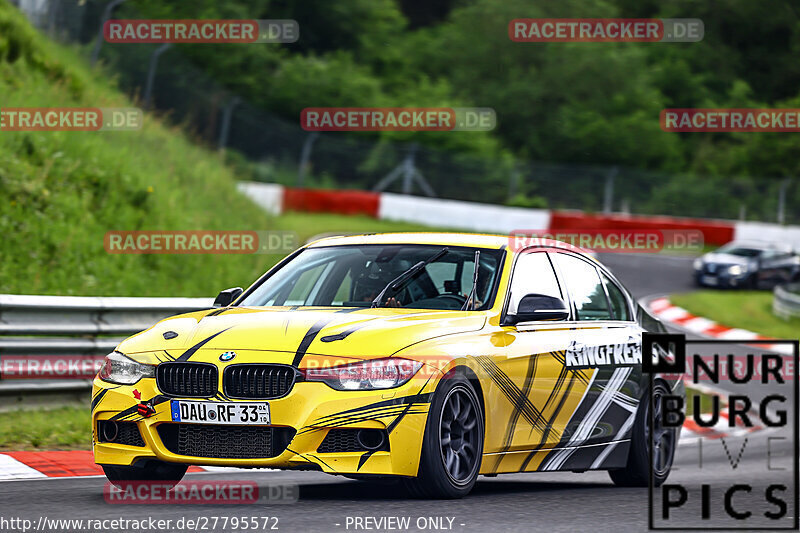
[618, 301]
[585, 287]
[533, 274]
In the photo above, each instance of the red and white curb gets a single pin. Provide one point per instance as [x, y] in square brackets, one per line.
[55, 464]
[683, 319]
[692, 431]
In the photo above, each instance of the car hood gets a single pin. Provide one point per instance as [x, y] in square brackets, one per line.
[727, 259]
[348, 332]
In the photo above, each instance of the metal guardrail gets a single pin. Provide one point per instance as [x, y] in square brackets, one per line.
[74, 325]
[786, 301]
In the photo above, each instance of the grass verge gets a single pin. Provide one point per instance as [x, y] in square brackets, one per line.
[704, 399]
[750, 310]
[64, 428]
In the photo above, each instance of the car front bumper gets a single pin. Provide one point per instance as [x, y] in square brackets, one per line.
[306, 414]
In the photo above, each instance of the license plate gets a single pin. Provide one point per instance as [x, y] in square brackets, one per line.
[220, 412]
[709, 280]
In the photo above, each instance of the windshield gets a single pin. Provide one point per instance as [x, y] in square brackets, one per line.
[352, 276]
[741, 251]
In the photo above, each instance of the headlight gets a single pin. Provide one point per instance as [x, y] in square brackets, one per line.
[123, 370]
[698, 263]
[736, 270]
[368, 375]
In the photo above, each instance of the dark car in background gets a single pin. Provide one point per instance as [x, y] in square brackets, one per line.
[750, 265]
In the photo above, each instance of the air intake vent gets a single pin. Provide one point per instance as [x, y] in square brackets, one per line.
[119, 433]
[225, 442]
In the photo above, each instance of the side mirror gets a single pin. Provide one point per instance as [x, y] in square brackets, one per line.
[539, 307]
[226, 297]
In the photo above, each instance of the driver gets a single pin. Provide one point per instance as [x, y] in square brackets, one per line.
[371, 282]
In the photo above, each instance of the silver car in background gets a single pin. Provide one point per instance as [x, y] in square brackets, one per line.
[748, 265]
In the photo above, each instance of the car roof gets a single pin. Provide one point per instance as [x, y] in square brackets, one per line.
[759, 245]
[478, 240]
[444, 239]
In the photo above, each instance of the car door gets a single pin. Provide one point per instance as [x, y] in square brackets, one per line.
[776, 266]
[531, 394]
[606, 344]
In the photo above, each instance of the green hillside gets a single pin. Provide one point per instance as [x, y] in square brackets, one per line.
[60, 192]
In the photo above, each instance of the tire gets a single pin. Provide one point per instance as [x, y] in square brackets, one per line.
[151, 470]
[452, 445]
[637, 470]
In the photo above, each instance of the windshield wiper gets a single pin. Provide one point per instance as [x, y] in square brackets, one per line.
[401, 280]
[470, 303]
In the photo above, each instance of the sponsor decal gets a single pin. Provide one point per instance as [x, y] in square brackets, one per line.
[625, 354]
[145, 409]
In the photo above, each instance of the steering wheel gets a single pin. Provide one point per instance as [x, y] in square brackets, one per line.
[460, 300]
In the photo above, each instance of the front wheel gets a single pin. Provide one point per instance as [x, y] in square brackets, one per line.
[665, 439]
[452, 444]
[152, 470]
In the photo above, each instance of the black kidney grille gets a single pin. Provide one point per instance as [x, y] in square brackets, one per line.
[198, 380]
[261, 381]
[225, 442]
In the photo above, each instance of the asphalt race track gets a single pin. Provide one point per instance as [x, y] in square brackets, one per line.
[519, 502]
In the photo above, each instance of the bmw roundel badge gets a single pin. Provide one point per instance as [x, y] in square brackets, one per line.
[227, 356]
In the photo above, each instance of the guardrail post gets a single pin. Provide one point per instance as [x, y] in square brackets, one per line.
[608, 193]
[100, 36]
[151, 73]
[305, 157]
[782, 201]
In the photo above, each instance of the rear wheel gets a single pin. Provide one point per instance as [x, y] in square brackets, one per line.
[665, 439]
[452, 445]
[151, 470]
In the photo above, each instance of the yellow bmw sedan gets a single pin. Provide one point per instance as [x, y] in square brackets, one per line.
[431, 357]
